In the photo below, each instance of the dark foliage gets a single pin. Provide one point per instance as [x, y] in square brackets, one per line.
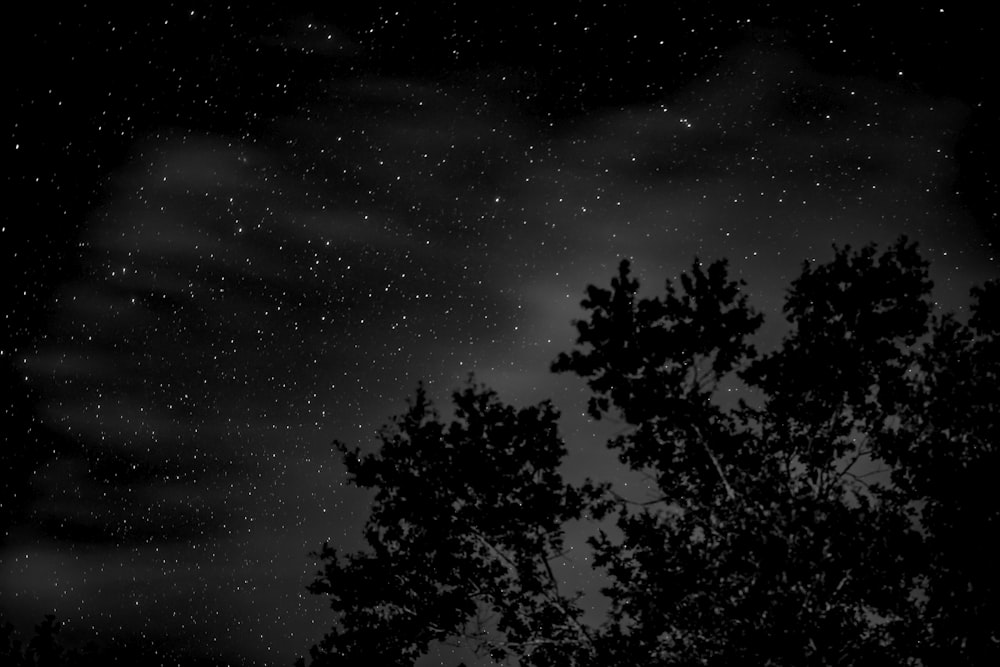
[48, 647]
[466, 519]
[841, 515]
[42, 650]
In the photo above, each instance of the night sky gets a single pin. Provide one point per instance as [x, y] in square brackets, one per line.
[231, 236]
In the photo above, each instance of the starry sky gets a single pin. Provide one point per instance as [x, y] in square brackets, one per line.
[234, 235]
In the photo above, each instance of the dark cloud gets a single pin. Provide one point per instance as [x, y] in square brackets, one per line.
[312, 37]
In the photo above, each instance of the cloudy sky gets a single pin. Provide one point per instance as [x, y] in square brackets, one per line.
[237, 236]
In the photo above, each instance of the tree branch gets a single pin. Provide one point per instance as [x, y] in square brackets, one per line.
[715, 462]
[638, 503]
[552, 596]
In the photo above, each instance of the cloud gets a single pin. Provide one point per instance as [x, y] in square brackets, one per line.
[313, 37]
[397, 223]
[236, 288]
[764, 161]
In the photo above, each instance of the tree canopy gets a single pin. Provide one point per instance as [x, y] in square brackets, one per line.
[840, 514]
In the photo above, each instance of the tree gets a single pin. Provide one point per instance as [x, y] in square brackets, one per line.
[836, 515]
[42, 650]
[47, 648]
[465, 522]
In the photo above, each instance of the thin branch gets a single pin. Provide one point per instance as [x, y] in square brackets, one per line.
[638, 503]
[572, 619]
[553, 600]
[857, 457]
[718, 467]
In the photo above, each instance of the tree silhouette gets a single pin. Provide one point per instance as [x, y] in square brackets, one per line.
[465, 522]
[839, 514]
[42, 650]
[48, 647]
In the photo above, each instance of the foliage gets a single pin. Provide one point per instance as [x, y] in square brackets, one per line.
[50, 647]
[838, 515]
[42, 650]
[465, 522]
